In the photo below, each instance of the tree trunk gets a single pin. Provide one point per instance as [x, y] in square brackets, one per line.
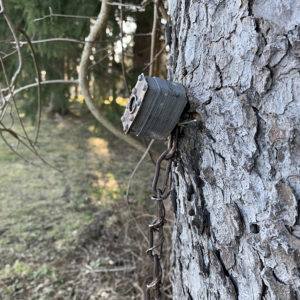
[236, 175]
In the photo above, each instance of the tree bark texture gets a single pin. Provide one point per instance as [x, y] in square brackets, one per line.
[236, 176]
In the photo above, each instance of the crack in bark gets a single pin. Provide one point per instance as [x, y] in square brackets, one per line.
[256, 139]
[203, 267]
[264, 290]
[227, 274]
[189, 295]
[220, 75]
[242, 219]
[277, 279]
[173, 199]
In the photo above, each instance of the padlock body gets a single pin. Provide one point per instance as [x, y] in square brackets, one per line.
[161, 103]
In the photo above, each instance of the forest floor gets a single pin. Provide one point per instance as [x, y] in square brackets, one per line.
[71, 234]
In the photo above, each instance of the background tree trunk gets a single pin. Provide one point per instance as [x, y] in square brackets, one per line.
[237, 176]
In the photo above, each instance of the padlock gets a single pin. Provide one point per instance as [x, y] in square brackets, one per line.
[154, 107]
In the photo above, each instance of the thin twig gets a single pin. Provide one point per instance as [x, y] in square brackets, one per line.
[33, 150]
[10, 147]
[71, 40]
[9, 54]
[38, 76]
[153, 38]
[163, 11]
[150, 153]
[14, 101]
[122, 49]
[128, 5]
[99, 61]
[187, 122]
[137, 286]
[120, 269]
[32, 146]
[136, 167]
[64, 16]
[56, 39]
[51, 40]
[155, 58]
[45, 82]
[13, 31]
[141, 34]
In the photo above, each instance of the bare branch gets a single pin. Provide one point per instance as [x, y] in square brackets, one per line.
[9, 146]
[45, 82]
[64, 16]
[99, 61]
[19, 139]
[38, 76]
[153, 38]
[142, 34]
[3, 109]
[163, 11]
[127, 5]
[65, 40]
[31, 145]
[13, 31]
[104, 270]
[155, 57]
[52, 40]
[136, 167]
[122, 49]
[145, 3]
[9, 54]
[84, 84]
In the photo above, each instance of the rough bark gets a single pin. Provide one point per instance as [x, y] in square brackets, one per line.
[237, 176]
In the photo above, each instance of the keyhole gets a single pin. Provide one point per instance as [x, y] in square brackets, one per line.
[132, 104]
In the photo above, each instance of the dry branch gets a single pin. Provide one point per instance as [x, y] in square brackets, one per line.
[45, 82]
[122, 49]
[38, 78]
[153, 38]
[14, 34]
[127, 5]
[98, 27]
[136, 167]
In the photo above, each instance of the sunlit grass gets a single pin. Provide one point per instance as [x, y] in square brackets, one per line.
[43, 212]
[98, 146]
[119, 100]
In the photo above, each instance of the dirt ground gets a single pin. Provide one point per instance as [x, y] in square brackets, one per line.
[71, 234]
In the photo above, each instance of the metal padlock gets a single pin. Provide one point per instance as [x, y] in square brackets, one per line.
[154, 108]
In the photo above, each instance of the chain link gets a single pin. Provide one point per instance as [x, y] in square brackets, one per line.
[156, 232]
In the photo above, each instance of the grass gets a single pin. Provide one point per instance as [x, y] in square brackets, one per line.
[58, 228]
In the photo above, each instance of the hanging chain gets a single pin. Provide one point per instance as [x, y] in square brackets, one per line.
[156, 233]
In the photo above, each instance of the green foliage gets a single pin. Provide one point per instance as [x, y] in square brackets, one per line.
[60, 59]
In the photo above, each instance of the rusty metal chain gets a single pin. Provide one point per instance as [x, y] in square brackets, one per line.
[156, 233]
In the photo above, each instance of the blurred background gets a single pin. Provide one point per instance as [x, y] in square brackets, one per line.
[67, 230]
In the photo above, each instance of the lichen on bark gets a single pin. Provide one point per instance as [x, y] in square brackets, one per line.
[238, 167]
